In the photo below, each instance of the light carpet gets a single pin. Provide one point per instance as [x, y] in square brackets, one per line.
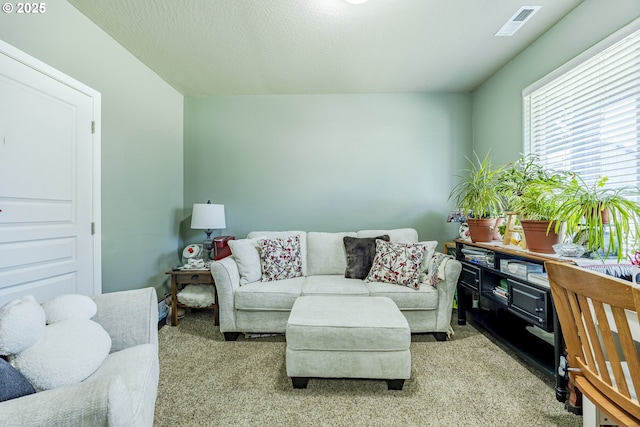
[466, 381]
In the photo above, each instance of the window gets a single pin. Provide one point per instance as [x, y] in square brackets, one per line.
[585, 116]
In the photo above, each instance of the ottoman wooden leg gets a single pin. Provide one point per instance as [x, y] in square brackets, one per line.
[299, 382]
[395, 384]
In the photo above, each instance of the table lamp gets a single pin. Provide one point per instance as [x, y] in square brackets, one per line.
[208, 217]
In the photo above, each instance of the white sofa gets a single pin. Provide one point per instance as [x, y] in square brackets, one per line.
[248, 305]
[122, 392]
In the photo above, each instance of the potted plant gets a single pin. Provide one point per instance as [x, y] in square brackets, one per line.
[537, 207]
[604, 219]
[532, 191]
[479, 197]
[517, 176]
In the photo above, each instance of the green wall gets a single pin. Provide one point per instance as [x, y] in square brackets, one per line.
[326, 162]
[497, 104]
[142, 122]
[311, 162]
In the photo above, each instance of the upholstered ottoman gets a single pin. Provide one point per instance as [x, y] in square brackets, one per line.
[347, 337]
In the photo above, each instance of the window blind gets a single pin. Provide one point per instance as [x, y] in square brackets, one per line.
[586, 117]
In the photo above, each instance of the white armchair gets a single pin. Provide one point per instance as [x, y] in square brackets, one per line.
[122, 392]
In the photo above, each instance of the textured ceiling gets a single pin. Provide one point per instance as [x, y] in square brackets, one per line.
[235, 47]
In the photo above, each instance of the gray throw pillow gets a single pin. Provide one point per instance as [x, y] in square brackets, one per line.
[12, 383]
[360, 253]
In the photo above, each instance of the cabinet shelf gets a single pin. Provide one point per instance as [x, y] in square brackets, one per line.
[527, 305]
[496, 298]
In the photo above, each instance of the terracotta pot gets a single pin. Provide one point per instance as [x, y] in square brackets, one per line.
[535, 232]
[481, 229]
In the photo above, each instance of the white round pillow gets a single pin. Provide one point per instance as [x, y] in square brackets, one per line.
[70, 306]
[69, 352]
[22, 324]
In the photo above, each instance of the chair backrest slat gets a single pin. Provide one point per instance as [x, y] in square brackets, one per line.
[596, 309]
[593, 310]
[615, 361]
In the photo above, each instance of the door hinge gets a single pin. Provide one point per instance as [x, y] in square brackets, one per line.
[93, 228]
[93, 126]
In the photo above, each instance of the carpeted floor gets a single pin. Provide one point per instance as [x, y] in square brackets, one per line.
[466, 381]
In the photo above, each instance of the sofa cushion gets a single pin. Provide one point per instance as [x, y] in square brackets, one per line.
[12, 383]
[246, 254]
[397, 263]
[280, 258]
[276, 296]
[326, 253]
[399, 235]
[360, 253]
[284, 234]
[333, 285]
[407, 299]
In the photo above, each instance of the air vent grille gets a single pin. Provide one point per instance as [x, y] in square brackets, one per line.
[523, 15]
[517, 20]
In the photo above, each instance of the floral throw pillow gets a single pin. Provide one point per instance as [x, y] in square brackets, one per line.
[397, 263]
[280, 258]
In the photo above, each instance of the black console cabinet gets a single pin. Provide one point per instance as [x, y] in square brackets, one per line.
[515, 311]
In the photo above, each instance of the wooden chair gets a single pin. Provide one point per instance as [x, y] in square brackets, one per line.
[598, 315]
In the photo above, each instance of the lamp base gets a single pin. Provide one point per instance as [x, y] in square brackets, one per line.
[208, 244]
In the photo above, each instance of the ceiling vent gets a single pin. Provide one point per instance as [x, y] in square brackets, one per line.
[517, 20]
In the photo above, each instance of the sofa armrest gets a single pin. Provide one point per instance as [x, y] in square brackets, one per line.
[227, 278]
[446, 291]
[129, 317]
[99, 402]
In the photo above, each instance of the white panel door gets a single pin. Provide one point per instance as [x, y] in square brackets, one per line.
[46, 184]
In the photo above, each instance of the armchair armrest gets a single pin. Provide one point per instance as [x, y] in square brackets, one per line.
[140, 309]
[99, 402]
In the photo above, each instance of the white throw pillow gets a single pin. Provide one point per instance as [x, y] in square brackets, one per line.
[70, 351]
[246, 253]
[70, 306]
[22, 324]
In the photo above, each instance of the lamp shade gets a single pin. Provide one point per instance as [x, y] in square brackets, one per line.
[208, 216]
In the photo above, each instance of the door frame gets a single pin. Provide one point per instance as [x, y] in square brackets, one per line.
[96, 217]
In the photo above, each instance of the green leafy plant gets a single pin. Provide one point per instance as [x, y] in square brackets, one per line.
[478, 194]
[604, 218]
[502, 229]
[539, 201]
[525, 186]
